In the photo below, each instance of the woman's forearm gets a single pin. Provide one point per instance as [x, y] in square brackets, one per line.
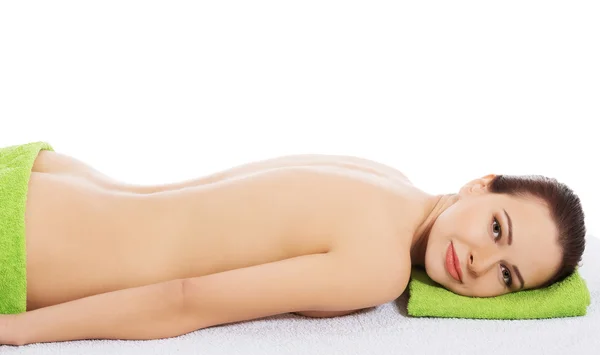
[147, 312]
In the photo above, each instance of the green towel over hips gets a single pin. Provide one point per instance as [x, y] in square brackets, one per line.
[15, 169]
[568, 298]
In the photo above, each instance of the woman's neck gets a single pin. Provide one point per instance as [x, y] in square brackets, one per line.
[436, 205]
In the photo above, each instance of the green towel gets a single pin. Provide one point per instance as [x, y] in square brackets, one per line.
[568, 298]
[15, 169]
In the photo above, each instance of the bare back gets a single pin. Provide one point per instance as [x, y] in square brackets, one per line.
[84, 240]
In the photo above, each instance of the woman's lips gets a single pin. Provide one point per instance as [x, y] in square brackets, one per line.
[453, 264]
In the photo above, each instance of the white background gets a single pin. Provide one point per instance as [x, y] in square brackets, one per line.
[160, 91]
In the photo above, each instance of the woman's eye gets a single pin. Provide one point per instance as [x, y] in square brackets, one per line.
[496, 229]
[506, 275]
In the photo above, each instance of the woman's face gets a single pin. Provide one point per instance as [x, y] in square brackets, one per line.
[502, 243]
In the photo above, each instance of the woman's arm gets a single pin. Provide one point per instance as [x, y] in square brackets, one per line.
[146, 312]
[318, 282]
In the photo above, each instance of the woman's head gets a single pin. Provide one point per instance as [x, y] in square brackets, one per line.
[509, 233]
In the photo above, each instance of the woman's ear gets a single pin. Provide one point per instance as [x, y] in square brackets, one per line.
[477, 186]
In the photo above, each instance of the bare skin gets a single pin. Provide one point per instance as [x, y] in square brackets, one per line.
[179, 224]
[316, 235]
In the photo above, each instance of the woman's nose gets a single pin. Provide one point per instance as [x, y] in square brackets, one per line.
[481, 260]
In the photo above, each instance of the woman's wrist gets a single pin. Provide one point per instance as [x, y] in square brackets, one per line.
[23, 330]
[12, 330]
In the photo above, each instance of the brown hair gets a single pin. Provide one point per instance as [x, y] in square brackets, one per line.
[565, 209]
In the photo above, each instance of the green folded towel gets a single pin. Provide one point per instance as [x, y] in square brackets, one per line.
[568, 298]
[15, 169]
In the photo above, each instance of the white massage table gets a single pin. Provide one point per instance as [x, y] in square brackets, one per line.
[381, 330]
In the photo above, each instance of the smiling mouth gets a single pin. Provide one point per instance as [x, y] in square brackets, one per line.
[453, 264]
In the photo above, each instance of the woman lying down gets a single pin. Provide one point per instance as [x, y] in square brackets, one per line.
[87, 257]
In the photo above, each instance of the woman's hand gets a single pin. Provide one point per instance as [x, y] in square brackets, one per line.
[10, 330]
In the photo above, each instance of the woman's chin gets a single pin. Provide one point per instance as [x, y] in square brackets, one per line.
[436, 274]
[445, 283]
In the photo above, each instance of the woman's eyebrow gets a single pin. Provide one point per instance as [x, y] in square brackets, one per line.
[510, 227]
